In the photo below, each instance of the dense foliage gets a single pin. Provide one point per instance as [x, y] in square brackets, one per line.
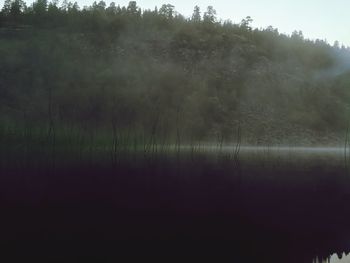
[157, 73]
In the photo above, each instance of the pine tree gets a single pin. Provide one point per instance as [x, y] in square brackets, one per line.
[210, 15]
[196, 16]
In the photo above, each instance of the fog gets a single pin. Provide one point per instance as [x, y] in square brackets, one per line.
[129, 122]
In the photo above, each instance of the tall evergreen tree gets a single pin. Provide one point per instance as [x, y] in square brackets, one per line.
[6, 9]
[210, 15]
[196, 16]
[167, 11]
[40, 7]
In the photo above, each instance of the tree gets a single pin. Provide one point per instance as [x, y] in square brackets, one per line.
[246, 23]
[6, 9]
[17, 7]
[99, 7]
[112, 9]
[167, 11]
[132, 8]
[73, 8]
[297, 35]
[210, 15]
[13, 8]
[64, 5]
[196, 16]
[53, 7]
[40, 7]
[336, 44]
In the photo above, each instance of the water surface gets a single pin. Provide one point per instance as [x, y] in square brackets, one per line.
[268, 204]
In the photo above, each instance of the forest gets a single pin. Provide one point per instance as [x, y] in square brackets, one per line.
[122, 126]
[126, 70]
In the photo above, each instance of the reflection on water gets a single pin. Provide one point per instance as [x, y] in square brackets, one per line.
[268, 202]
[335, 259]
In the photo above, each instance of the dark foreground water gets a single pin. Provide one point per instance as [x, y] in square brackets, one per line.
[268, 206]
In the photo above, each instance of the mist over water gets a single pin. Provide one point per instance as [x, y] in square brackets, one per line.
[272, 149]
[271, 203]
[104, 117]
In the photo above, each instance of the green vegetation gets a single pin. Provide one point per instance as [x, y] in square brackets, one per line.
[123, 72]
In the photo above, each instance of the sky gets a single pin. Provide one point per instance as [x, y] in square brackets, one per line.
[322, 19]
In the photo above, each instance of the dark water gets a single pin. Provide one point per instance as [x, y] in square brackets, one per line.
[268, 206]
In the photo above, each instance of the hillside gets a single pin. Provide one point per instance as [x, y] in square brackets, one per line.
[157, 73]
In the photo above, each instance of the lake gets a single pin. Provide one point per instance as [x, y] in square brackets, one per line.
[267, 204]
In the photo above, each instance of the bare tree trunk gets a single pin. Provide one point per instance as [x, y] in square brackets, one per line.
[151, 146]
[220, 141]
[238, 143]
[178, 133]
[51, 133]
[115, 143]
[346, 146]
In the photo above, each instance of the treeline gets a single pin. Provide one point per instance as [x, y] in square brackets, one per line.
[158, 73]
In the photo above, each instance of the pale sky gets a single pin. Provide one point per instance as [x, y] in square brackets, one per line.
[323, 19]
